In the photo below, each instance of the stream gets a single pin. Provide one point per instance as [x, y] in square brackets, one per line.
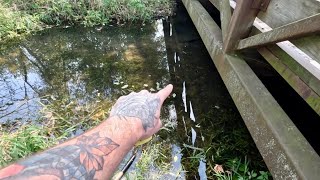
[88, 65]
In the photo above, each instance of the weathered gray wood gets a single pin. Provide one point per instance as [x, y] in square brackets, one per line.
[282, 12]
[294, 66]
[216, 3]
[298, 60]
[225, 16]
[290, 31]
[302, 88]
[240, 24]
[286, 152]
[310, 75]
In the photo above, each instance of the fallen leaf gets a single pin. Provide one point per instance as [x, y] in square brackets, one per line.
[218, 169]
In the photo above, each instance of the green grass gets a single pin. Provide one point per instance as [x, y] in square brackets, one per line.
[61, 119]
[25, 141]
[20, 17]
[240, 170]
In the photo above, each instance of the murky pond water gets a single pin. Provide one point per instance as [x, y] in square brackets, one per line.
[85, 66]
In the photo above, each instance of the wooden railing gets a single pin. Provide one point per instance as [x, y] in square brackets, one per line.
[292, 46]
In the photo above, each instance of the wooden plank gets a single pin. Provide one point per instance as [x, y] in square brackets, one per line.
[311, 97]
[225, 16]
[282, 12]
[240, 24]
[216, 3]
[299, 56]
[290, 31]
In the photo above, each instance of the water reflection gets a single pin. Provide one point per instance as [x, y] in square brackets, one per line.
[80, 63]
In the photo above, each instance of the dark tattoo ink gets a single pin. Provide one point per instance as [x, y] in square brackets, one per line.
[78, 161]
[140, 105]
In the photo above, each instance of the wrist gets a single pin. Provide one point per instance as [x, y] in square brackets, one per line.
[127, 129]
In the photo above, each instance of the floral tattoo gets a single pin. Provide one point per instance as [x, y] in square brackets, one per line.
[140, 105]
[79, 161]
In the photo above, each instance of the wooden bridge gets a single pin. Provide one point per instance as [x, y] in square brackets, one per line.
[284, 32]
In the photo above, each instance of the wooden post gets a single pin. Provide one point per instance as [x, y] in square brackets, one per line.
[240, 24]
[225, 16]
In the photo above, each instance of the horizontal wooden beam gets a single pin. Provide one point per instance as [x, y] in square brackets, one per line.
[290, 31]
[301, 87]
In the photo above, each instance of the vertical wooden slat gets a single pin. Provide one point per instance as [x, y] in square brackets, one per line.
[225, 16]
[240, 24]
[216, 3]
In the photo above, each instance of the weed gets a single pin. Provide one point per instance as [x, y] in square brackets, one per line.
[237, 169]
[64, 117]
[154, 161]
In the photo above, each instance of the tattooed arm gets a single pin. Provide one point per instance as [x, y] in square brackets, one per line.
[97, 153]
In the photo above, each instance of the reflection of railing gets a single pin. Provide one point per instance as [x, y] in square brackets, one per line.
[286, 152]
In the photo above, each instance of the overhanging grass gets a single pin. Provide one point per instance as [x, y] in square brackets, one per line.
[19, 17]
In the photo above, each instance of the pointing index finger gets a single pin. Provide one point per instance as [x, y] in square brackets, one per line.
[165, 92]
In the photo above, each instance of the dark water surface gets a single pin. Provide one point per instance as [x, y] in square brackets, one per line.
[85, 65]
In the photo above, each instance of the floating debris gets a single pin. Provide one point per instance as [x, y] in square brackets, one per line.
[145, 85]
[152, 90]
[158, 86]
[174, 95]
[125, 86]
[218, 169]
[217, 107]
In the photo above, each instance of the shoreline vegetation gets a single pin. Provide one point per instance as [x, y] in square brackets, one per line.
[21, 17]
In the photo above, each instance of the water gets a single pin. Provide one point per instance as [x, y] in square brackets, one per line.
[85, 66]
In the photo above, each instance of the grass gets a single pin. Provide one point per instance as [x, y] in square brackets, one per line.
[19, 17]
[238, 169]
[25, 141]
[62, 119]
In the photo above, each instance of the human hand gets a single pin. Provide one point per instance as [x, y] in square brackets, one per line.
[144, 106]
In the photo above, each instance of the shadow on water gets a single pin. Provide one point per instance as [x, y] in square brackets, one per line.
[82, 65]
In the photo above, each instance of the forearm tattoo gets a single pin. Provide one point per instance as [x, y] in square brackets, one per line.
[140, 105]
[79, 161]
